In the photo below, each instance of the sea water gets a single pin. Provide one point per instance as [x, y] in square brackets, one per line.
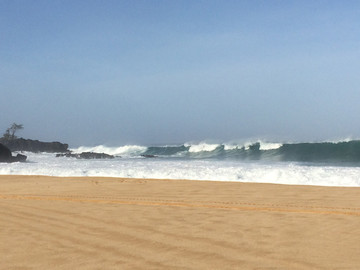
[325, 164]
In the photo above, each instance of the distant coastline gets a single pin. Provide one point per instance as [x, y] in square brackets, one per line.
[28, 145]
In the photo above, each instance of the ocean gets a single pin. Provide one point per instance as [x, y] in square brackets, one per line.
[324, 164]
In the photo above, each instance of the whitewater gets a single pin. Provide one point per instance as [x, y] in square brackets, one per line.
[260, 162]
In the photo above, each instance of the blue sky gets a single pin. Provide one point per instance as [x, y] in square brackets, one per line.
[152, 72]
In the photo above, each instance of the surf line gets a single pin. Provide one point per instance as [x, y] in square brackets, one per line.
[178, 204]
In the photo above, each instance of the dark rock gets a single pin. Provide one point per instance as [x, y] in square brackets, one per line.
[86, 155]
[20, 158]
[92, 155]
[149, 156]
[5, 153]
[69, 154]
[35, 146]
[6, 156]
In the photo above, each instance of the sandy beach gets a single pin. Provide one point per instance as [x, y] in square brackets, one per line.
[111, 223]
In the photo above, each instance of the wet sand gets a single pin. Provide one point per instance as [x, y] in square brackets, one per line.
[110, 223]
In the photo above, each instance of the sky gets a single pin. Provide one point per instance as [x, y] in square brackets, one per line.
[150, 72]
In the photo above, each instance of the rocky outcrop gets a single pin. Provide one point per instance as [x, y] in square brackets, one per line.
[149, 156]
[5, 153]
[86, 155]
[19, 158]
[35, 146]
[6, 156]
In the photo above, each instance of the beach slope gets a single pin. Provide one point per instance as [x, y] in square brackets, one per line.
[111, 223]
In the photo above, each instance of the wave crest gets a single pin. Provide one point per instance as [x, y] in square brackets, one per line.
[202, 147]
[126, 150]
[348, 151]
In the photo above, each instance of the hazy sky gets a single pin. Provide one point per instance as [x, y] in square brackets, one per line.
[150, 72]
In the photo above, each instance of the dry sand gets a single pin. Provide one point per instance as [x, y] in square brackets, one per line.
[108, 223]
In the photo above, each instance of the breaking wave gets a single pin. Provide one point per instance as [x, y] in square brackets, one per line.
[192, 169]
[127, 150]
[324, 163]
[325, 152]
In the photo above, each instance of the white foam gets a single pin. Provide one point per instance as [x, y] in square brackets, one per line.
[232, 146]
[127, 150]
[246, 145]
[269, 146]
[280, 172]
[202, 147]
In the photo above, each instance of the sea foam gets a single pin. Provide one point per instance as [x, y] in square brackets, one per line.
[201, 147]
[127, 150]
[192, 169]
[324, 163]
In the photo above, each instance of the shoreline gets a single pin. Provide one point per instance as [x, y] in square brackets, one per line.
[129, 223]
[176, 179]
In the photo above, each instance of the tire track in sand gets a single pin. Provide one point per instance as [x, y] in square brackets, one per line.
[220, 205]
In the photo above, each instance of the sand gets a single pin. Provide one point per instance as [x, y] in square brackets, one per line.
[110, 223]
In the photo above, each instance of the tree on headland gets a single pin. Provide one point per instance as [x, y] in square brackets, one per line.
[10, 132]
